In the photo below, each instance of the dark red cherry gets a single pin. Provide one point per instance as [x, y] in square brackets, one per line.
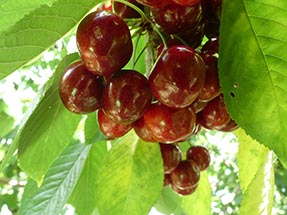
[126, 96]
[178, 77]
[169, 42]
[155, 3]
[230, 126]
[198, 105]
[169, 125]
[193, 36]
[175, 18]
[171, 156]
[212, 15]
[186, 175]
[104, 43]
[110, 128]
[212, 45]
[214, 115]
[142, 131]
[126, 12]
[166, 180]
[186, 2]
[211, 87]
[183, 192]
[80, 90]
[200, 155]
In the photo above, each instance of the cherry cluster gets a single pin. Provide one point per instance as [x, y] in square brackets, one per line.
[183, 175]
[180, 95]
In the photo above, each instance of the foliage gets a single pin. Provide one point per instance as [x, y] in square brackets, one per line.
[66, 159]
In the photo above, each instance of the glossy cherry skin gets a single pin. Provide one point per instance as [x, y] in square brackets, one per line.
[126, 96]
[198, 105]
[214, 115]
[126, 12]
[143, 131]
[186, 175]
[169, 125]
[175, 18]
[200, 155]
[155, 3]
[211, 87]
[80, 90]
[230, 126]
[104, 43]
[183, 192]
[166, 180]
[193, 36]
[171, 156]
[178, 77]
[186, 2]
[212, 45]
[110, 128]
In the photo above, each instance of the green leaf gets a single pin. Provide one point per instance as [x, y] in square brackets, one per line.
[13, 10]
[83, 197]
[252, 68]
[256, 176]
[42, 92]
[48, 130]
[200, 201]
[92, 132]
[131, 177]
[7, 123]
[39, 30]
[168, 202]
[58, 183]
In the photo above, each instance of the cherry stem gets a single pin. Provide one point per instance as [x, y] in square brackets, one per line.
[155, 28]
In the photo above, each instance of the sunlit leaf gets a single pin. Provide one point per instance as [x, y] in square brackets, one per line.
[83, 197]
[13, 10]
[131, 177]
[50, 198]
[200, 201]
[38, 31]
[47, 131]
[256, 176]
[252, 63]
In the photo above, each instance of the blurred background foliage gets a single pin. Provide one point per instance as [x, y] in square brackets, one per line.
[17, 92]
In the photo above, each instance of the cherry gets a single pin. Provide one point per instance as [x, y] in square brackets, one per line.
[186, 175]
[110, 128]
[175, 18]
[171, 155]
[212, 15]
[126, 12]
[126, 96]
[199, 155]
[166, 180]
[155, 3]
[214, 115]
[193, 36]
[211, 87]
[80, 90]
[230, 126]
[178, 77]
[198, 105]
[186, 2]
[142, 131]
[104, 42]
[212, 45]
[169, 125]
[183, 192]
